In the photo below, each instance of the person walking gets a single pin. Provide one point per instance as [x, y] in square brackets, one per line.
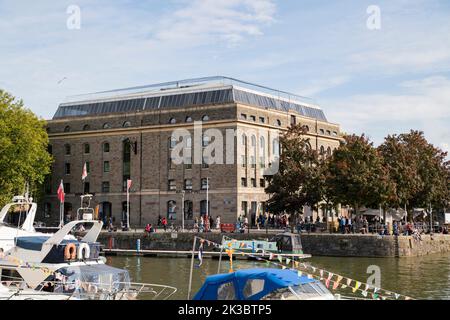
[164, 223]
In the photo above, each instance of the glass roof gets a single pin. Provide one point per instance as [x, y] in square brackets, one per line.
[186, 93]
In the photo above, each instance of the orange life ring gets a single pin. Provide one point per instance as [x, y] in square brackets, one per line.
[70, 252]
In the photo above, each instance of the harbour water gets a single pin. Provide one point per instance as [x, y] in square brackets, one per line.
[425, 277]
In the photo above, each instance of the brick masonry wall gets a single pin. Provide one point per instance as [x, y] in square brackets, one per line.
[314, 244]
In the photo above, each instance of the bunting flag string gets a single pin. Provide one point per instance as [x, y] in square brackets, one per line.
[328, 280]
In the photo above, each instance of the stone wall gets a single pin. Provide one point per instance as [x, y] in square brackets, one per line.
[314, 244]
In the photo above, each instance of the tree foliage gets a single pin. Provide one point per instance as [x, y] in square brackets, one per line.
[292, 187]
[23, 148]
[357, 176]
[404, 170]
[418, 170]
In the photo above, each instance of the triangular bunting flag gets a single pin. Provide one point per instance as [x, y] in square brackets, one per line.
[335, 285]
[299, 273]
[288, 260]
[296, 263]
[344, 286]
[364, 293]
[357, 285]
[280, 258]
[397, 296]
[349, 282]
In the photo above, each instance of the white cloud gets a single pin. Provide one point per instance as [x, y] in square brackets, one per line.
[200, 21]
[321, 85]
[425, 105]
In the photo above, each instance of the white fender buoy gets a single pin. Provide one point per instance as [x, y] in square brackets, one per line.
[87, 251]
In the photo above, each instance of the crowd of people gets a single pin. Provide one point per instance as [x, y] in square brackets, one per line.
[342, 224]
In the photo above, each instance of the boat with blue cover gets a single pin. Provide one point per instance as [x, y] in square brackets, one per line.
[263, 284]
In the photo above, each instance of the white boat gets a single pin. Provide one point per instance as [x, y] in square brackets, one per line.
[62, 264]
[16, 293]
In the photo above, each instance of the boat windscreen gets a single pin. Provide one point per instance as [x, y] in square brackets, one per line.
[92, 278]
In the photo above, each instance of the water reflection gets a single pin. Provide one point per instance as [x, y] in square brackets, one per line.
[425, 277]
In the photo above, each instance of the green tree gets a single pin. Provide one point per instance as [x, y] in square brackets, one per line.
[293, 186]
[432, 171]
[23, 148]
[356, 176]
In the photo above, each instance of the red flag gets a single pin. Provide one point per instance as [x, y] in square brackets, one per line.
[84, 174]
[61, 194]
[128, 184]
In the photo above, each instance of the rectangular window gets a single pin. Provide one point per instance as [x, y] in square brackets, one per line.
[243, 116]
[262, 183]
[253, 180]
[66, 187]
[243, 182]
[106, 166]
[172, 185]
[88, 167]
[244, 208]
[86, 187]
[244, 161]
[253, 161]
[105, 187]
[262, 119]
[188, 163]
[253, 118]
[205, 162]
[67, 168]
[188, 184]
[171, 163]
[204, 183]
[293, 120]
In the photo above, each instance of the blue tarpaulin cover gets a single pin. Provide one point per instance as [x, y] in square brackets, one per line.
[274, 279]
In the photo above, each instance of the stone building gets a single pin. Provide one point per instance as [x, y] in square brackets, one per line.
[129, 134]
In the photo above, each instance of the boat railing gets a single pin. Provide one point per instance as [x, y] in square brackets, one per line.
[99, 291]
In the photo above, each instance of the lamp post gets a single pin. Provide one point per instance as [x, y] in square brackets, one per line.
[182, 210]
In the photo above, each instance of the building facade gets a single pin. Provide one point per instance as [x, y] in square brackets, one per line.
[228, 132]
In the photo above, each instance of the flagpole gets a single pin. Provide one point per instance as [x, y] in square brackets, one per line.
[128, 207]
[192, 268]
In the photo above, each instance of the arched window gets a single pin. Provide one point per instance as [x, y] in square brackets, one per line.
[188, 119]
[86, 127]
[322, 151]
[308, 146]
[171, 210]
[262, 151]
[306, 128]
[329, 132]
[205, 118]
[67, 129]
[126, 124]
[106, 147]
[86, 148]
[188, 142]
[335, 133]
[244, 140]
[278, 123]
[67, 149]
[329, 152]
[276, 147]
[172, 120]
[107, 125]
[253, 141]
[322, 131]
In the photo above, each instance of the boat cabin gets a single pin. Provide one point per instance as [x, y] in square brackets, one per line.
[262, 284]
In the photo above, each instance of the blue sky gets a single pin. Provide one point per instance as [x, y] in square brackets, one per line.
[374, 81]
